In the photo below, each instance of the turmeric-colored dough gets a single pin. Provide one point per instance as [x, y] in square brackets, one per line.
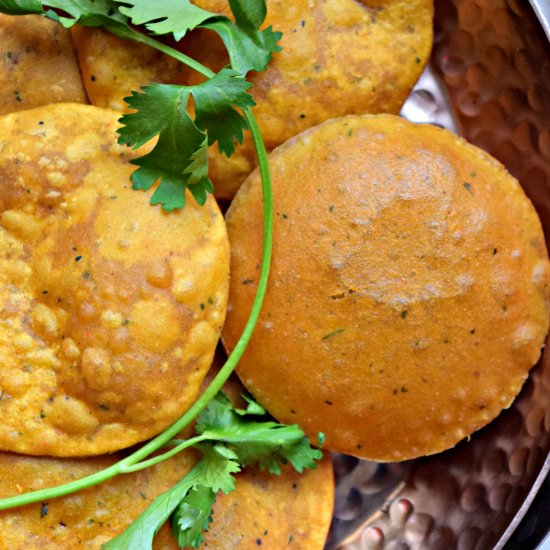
[339, 57]
[408, 296]
[112, 67]
[274, 509]
[38, 64]
[291, 510]
[110, 308]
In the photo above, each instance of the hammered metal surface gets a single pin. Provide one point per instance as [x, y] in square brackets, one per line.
[494, 62]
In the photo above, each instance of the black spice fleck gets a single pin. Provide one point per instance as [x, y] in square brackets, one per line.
[43, 510]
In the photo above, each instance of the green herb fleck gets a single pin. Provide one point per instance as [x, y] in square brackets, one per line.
[333, 333]
[404, 314]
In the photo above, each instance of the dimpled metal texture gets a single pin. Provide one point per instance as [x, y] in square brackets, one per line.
[489, 80]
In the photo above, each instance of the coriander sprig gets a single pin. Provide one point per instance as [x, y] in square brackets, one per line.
[230, 439]
[248, 48]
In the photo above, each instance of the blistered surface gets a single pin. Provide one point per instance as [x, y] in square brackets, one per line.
[110, 308]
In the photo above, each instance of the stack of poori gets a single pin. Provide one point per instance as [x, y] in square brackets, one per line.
[407, 301]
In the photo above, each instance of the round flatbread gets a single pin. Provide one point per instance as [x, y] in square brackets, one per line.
[110, 308]
[39, 64]
[291, 509]
[339, 57]
[408, 296]
[112, 67]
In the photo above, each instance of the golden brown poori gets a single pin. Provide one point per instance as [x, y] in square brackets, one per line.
[39, 64]
[110, 309]
[112, 67]
[291, 509]
[408, 295]
[339, 57]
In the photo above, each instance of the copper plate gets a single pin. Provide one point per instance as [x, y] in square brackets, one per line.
[489, 80]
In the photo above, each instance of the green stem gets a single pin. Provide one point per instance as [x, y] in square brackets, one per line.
[164, 456]
[131, 34]
[160, 440]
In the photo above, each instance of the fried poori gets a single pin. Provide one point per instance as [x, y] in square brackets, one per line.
[112, 67]
[339, 57]
[408, 295]
[273, 509]
[39, 64]
[110, 309]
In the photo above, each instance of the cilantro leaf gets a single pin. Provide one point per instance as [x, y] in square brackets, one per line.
[180, 157]
[214, 101]
[217, 467]
[140, 534]
[165, 16]
[265, 443]
[193, 516]
[252, 407]
[249, 14]
[162, 110]
[248, 48]
[90, 13]
[20, 7]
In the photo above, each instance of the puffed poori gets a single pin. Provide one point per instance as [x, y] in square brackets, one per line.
[275, 510]
[110, 309]
[408, 296]
[112, 67]
[339, 57]
[39, 64]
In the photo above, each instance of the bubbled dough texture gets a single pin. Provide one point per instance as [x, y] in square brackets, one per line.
[408, 296]
[274, 509]
[110, 308]
[39, 65]
[339, 57]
